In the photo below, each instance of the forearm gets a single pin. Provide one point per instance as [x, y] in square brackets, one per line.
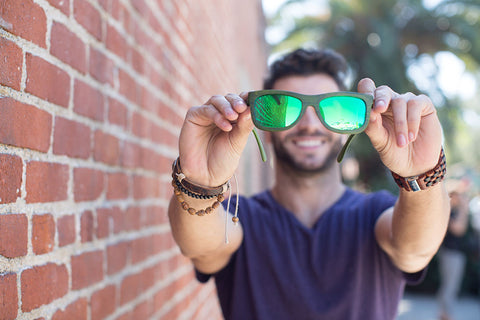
[419, 223]
[199, 236]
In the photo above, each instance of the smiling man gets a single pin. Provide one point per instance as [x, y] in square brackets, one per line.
[310, 248]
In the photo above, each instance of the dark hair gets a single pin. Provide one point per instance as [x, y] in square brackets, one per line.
[305, 62]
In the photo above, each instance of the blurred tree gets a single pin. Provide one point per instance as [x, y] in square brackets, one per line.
[383, 39]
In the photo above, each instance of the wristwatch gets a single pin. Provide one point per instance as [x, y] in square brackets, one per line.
[425, 180]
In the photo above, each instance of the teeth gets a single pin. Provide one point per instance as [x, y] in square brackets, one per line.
[309, 143]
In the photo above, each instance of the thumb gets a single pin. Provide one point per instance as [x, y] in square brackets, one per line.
[366, 85]
[374, 130]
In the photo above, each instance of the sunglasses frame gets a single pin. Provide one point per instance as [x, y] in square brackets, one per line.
[310, 100]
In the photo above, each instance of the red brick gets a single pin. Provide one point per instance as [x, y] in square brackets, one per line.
[88, 184]
[89, 17]
[11, 168]
[47, 81]
[42, 285]
[153, 161]
[104, 223]
[131, 155]
[107, 148]
[154, 216]
[103, 303]
[116, 43]
[24, 18]
[62, 5]
[43, 233]
[138, 62]
[46, 182]
[13, 235]
[11, 60]
[151, 102]
[141, 126]
[117, 187]
[129, 87]
[143, 310]
[118, 216]
[24, 125]
[106, 4]
[145, 247]
[133, 220]
[117, 113]
[77, 310]
[66, 230]
[71, 138]
[145, 187]
[86, 226]
[66, 46]
[101, 67]
[117, 257]
[88, 101]
[126, 316]
[8, 296]
[87, 269]
[130, 288]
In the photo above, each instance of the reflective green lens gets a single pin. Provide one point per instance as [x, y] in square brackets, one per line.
[343, 113]
[276, 110]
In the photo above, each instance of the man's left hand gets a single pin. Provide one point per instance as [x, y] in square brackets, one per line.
[404, 129]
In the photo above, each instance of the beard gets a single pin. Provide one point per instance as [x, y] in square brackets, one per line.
[286, 159]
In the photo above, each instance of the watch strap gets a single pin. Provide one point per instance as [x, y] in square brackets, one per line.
[425, 180]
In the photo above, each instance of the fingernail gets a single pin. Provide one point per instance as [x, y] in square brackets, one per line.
[402, 141]
[411, 136]
[379, 103]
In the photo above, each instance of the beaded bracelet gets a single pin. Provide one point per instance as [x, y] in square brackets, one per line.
[182, 186]
[192, 211]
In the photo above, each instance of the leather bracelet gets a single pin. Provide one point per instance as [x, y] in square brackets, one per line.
[425, 180]
[193, 188]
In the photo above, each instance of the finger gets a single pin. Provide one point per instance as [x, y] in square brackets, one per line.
[238, 104]
[415, 107]
[383, 97]
[399, 111]
[244, 95]
[366, 85]
[205, 115]
[223, 106]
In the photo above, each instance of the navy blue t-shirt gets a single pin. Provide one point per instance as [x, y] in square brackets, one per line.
[333, 270]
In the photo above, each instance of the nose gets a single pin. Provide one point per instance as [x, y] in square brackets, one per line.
[310, 121]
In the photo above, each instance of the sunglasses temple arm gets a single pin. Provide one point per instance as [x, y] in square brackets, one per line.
[344, 149]
[263, 154]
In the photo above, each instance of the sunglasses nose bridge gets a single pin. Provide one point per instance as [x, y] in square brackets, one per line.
[310, 117]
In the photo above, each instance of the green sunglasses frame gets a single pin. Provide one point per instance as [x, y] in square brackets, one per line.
[310, 100]
[314, 101]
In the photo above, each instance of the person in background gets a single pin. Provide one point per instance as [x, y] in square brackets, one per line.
[310, 247]
[451, 257]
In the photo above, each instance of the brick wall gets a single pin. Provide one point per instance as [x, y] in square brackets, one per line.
[92, 97]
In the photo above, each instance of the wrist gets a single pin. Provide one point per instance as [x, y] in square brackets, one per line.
[183, 187]
[425, 180]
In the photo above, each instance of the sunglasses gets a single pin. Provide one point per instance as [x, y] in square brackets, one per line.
[340, 112]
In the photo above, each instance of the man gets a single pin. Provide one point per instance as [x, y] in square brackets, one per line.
[310, 248]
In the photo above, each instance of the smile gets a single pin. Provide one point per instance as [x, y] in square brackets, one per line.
[309, 143]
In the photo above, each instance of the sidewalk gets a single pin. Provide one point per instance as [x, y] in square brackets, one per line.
[424, 307]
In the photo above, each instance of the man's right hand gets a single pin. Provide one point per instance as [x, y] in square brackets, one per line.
[213, 137]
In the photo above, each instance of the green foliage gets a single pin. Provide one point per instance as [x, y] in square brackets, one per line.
[381, 39]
